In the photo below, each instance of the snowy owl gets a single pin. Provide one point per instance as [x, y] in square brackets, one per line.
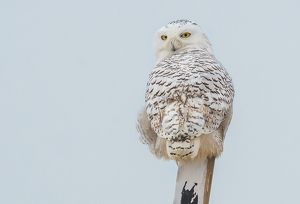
[189, 96]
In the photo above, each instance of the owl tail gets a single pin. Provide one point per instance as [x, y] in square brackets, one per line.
[194, 180]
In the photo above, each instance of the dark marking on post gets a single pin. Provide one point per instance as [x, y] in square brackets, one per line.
[189, 196]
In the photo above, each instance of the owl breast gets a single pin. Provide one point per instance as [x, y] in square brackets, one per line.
[187, 96]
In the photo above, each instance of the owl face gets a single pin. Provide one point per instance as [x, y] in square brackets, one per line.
[178, 36]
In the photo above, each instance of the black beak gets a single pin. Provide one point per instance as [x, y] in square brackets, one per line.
[173, 47]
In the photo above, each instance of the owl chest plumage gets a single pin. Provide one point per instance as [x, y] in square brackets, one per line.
[188, 95]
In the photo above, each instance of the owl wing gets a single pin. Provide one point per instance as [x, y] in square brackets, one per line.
[156, 144]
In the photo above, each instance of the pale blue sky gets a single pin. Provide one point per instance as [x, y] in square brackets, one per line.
[73, 77]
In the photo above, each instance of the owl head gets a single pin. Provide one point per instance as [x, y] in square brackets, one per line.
[178, 36]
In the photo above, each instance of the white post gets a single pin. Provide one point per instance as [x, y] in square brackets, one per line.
[193, 182]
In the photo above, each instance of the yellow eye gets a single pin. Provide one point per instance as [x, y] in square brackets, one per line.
[185, 35]
[164, 37]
